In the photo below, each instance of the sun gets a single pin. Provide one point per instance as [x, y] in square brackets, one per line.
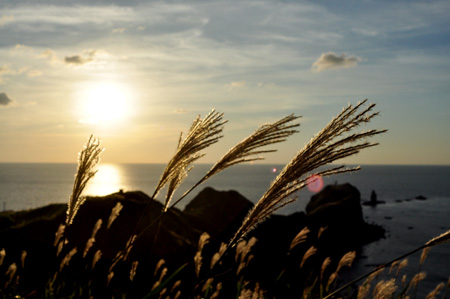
[105, 103]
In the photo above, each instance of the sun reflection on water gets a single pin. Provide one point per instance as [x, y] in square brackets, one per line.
[107, 180]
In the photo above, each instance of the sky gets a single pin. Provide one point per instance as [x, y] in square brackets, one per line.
[136, 73]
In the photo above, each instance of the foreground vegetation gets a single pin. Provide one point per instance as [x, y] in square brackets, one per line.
[218, 268]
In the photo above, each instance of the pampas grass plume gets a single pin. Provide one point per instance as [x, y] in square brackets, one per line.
[2, 255]
[300, 238]
[114, 214]
[384, 289]
[310, 252]
[88, 159]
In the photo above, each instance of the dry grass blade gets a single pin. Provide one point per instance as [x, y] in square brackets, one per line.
[203, 133]
[88, 158]
[249, 149]
[337, 140]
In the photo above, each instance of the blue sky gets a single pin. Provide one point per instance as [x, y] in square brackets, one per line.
[136, 73]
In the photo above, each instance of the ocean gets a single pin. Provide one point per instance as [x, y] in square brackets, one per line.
[409, 222]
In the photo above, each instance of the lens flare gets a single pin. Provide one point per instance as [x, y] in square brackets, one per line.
[315, 183]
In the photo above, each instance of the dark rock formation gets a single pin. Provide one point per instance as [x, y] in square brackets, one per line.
[218, 213]
[338, 207]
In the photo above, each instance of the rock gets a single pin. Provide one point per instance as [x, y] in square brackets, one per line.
[338, 207]
[336, 204]
[219, 213]
[420, 197]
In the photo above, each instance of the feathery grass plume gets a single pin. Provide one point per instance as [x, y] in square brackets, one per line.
[404, 280]
[110, 277]
[158, 266]
[90, 242]
[10, 272]
[336, 141]
[346, 260]
[402, 265]
[384, 289]
[300, 237]
[67, 258]
[217, 255]
[363, 291]
[243, 255]
[129, 246]
[59, 234]
[2, 255]
[248, 247]
[442, 239]
[310, 252]
[161, 276]
[239, 249]
[22, 258]
[175, 286]
[436, 291]
[133, 270]
[208, 284]
[178, 295]
[203, 133]
[331, 279]
[114, 213]
[244, 263]
[417, 278]
[198, 258]
[321, 231]
[249, 149]
[60, 246]
[325, 264]
[424, 255]
[216, 293]
[88, 158]
[97, 256]
[446, 288]
[394, 264]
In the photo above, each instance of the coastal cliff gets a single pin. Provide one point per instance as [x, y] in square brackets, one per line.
[333, 217]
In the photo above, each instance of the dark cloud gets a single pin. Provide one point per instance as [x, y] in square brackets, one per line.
[331, 60]
[77, 60]
[87, 57]
[4, 99]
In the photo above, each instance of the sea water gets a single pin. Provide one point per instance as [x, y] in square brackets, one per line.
[409, 222]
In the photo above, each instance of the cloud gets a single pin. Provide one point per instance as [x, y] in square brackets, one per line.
[119, 30]
[180, 111]
[236, 84]
[5, 19]
[330, 60]
[4, 70]
[86, 57]
[50, 55]
[34, 73]
[4, 99]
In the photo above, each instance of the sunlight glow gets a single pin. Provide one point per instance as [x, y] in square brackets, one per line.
[107, 180]
[104, 103]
